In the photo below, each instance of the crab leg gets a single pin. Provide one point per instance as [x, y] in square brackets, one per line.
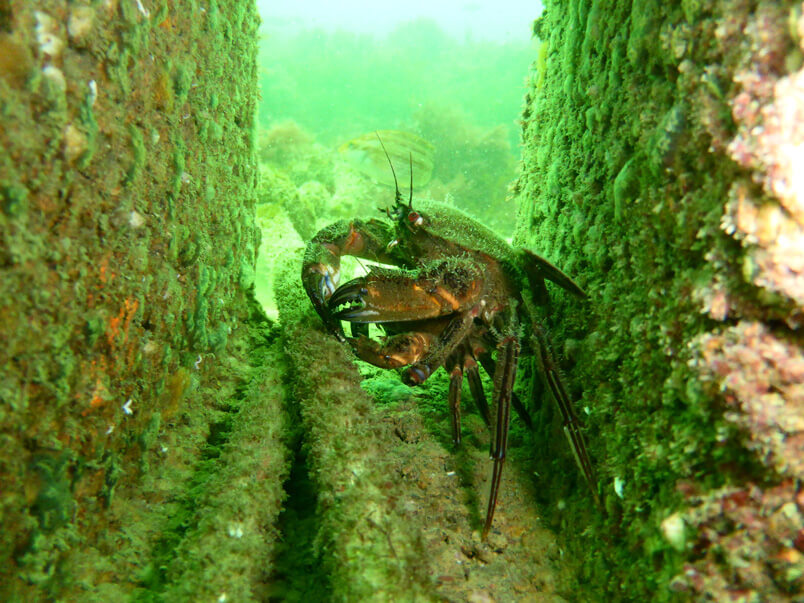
[465, 366]
[455, 383]
[504, 376]
[448, 340]
[572, 427]
[476, 387]
[489, 366]
[322, 260]
[394, 352]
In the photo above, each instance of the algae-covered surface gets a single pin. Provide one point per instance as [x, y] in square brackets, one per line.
[178, 425]
[140, 411]
[658, 168]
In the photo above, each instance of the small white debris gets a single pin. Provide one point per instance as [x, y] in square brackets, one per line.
[235, 530]
[223, 598]
[80, 22]
[93, 93]
[110, 430]
[135, 219]
[54, 75]
[127, 407]
[450, 473]
[185, 178]
[46, 28]
[75, 143]
[674, 530]
[619, 484]
[143, 11]
[198, 362]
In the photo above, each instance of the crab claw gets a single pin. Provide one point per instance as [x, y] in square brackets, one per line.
[389, 295]
[355, 296]
[322, 260]
[320, 280]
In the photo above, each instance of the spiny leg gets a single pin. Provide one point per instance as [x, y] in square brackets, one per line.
[455, 383]
[572, 426]
[489, 366]
[468, 367]
[476, 387]
[504, 376]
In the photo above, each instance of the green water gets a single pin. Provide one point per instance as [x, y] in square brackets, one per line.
[323, 84]
[163, 441]
[321, 88]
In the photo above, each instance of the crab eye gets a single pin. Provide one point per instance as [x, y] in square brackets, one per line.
[415, 218]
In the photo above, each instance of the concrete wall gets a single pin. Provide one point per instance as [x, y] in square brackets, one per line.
[129, 357]
[143, 396]
[661, 170]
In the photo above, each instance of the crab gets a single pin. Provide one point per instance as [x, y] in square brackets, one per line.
[459, 297]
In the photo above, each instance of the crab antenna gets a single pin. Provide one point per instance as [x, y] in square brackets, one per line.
[398, 196]
[410, 201]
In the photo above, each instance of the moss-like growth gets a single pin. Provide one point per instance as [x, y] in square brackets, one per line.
[13, 198]
[137, 154]
[120, 356]
[627, 183]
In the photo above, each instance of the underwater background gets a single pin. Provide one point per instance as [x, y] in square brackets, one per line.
[325, 85]
[177, 425]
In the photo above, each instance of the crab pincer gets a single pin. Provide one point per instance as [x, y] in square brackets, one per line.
[322, 261]
[348, 302]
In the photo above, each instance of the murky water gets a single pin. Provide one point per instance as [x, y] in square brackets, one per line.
[454, 76]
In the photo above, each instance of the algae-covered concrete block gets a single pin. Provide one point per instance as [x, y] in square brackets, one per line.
[142, 438]
[684, 173]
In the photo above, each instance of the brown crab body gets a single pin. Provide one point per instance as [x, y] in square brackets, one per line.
[459, 298]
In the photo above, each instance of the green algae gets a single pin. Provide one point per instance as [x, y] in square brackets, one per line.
[13, 198]
[622, 184]
[126, 323]
[138, 153]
